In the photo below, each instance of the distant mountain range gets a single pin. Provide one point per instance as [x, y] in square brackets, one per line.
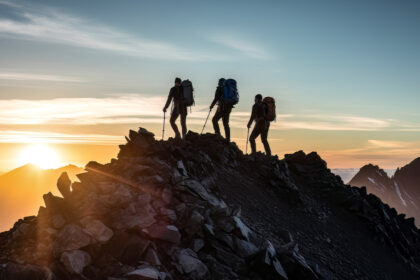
[401, 191]
[22, 188]
[347, 174]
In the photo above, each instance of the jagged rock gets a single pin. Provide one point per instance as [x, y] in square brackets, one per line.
[126, 219]
[15, 271]
[266, 261]
[53, 203]
[164, 232]
[191, 265]
[245, 248]
[75, 261]
[244, 231]
[152, 257]
[144, 273]
[96, 229]
[197, 244]
[194, 223]
[128, 248]
[58, 221]
[21, 230]
[64, 184]
[71, 237]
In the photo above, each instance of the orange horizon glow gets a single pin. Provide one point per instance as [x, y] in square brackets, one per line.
[41, 155]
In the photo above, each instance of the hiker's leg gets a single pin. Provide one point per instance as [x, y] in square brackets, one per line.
[184, 113]
[226, 116]
[254, 134]
[174, 116]
[264, 135]
[215, 120]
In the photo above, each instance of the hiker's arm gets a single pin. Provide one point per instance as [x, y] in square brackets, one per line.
[216, 97]
[251, 119]
[168, 101]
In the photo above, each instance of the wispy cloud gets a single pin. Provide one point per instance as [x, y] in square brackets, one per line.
[139, 108]
[37, 77]
[332, 122]
[11, 136]
[9, 3]
[245, 48]
[389, 144]
[49, 25]
[385, 153]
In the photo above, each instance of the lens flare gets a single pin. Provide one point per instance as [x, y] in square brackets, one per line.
[40, 155]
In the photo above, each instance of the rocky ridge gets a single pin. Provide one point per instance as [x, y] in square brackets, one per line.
[401, 191]
[162, 210]
[143, 216]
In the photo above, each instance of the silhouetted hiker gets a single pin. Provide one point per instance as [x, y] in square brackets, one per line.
[178, 109]
[226, 96]
[259, 112]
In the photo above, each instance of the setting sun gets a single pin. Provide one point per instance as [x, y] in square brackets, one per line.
[40, 155]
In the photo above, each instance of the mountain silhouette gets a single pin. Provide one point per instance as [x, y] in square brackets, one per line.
[401, 191]
[21, 190]
[201, 209]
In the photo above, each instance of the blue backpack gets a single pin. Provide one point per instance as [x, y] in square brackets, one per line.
[230, 92]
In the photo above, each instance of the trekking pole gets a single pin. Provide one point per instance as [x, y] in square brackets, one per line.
[163, 129]
[247, 137]
[206, 121]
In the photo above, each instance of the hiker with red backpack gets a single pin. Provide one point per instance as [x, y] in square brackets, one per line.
[226, 97]
[263, 112]
[182, 95]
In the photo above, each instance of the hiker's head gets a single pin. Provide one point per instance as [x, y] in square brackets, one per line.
[177, 81]
[221, 81]
[258, 98]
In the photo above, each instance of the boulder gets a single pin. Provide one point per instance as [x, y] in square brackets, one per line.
[58, 221]
[191, 265]
[144, 273]
[168, 233]
[64, 184]
[152, 257]
[244, 231]
[53, 203]
[71, 237]
[75, 261]
[96, 229]
[244, 248]
[15, 271]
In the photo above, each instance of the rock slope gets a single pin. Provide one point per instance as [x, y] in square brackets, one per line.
[200, 209]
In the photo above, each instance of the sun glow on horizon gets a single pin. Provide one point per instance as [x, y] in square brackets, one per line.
[41, 155]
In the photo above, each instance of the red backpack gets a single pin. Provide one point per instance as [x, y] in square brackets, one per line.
[270, 113]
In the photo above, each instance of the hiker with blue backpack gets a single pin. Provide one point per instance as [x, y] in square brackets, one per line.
[182, 96]
[226, 97]
[263, 112]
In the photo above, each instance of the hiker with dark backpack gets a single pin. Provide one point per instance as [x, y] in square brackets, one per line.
[179, 107]
[263, 112]
[226, 97]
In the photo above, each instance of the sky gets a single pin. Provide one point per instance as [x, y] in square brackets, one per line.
[77, 75]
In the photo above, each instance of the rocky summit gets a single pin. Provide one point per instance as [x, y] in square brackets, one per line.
[401, 191]
[201, 209]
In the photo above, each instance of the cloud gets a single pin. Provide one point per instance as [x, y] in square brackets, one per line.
[49, 25]
[38, 77]
[140, 108]
[11, 136]
[9, 4]
[243, 47]
[388, 144]
[331, 123]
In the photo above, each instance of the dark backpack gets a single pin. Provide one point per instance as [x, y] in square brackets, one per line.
[187, 93]
[270, 106]
[230, 92]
